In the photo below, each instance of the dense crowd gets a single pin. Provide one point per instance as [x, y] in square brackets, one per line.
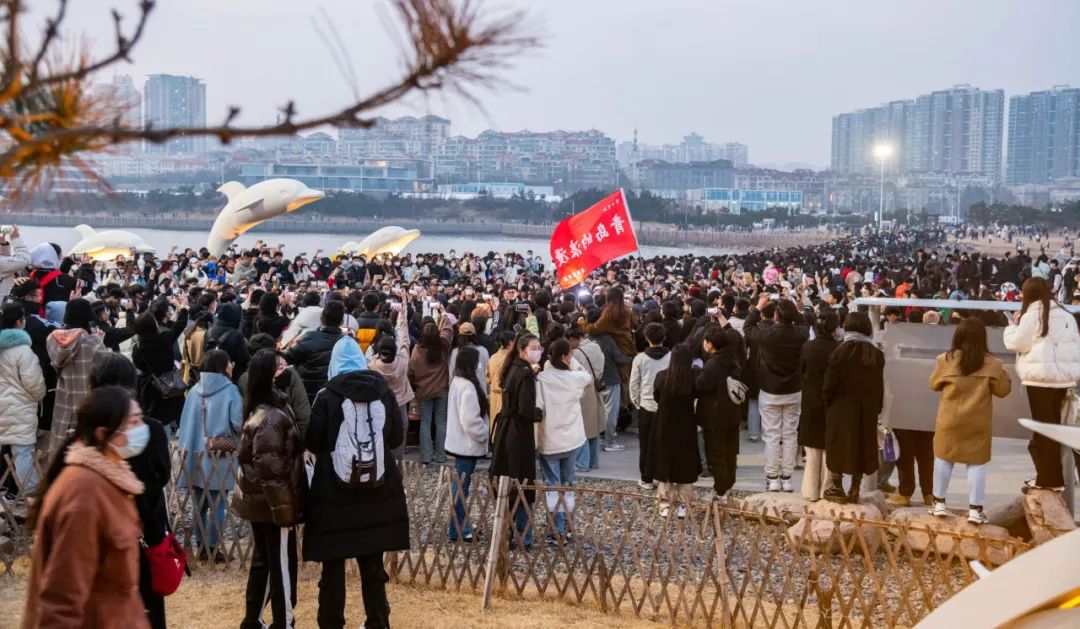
[288, 385]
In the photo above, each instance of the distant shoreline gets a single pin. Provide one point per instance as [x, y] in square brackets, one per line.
[649, 234]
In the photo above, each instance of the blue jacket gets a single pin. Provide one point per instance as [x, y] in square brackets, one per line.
[224, 416]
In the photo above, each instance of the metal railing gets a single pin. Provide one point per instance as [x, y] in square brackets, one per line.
[721, 565]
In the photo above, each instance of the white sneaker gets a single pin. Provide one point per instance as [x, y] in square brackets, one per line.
[976, 516]
[773, 484]
[939, 510]
[614, 447]
[665, 511]
[785, 485]
[649, 486]
[680, 512]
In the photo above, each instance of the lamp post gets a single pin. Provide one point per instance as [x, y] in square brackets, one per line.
[882, 152]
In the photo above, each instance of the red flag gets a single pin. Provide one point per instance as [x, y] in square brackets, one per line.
[591, 238]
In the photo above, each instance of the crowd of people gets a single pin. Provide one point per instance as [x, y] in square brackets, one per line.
[288, 386]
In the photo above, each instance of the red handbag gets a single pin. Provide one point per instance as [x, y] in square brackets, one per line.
[168, 562]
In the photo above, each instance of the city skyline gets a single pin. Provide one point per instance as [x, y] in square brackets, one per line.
[791, 69]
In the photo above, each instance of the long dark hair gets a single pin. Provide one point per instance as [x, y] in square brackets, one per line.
[558, 354]
[520, 342]
[866, 354]
[1036, 289]
[103, 407]
[679, 376]
[431, 343]
[468, 358]
[260, 382]
[970, 340]
[614, 308]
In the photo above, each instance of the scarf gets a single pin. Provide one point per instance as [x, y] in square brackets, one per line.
[116, 472]
[856, 336]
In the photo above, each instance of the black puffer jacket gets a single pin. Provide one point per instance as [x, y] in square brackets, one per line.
[714, 408]
[780, 352]
[271, 485]
[311, 357]
[343, 522]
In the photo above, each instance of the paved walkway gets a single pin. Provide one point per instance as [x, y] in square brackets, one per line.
[1008, 470]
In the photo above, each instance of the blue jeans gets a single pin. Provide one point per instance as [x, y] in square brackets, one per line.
[558, 469]
[588, 455]
[25, 471]
[464, 468]
[611, 397]
[433, 409]
[203, 500]
[521, 523]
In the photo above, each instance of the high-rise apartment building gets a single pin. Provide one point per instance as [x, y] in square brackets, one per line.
[121, 94]
[1044, 136]
[693, 148]
[408, 136]
[958, 130]
[573, 159]
[175, 101]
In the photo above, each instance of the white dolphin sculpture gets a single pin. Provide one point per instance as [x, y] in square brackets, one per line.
[390, 240]
[247, 207]
[108, 244]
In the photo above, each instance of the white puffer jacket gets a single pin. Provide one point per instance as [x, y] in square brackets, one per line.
[558, 392]
[1051, 361]
[21, 388]
[466, 427]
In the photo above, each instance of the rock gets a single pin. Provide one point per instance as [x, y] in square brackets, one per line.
[877, 499]
[1010, 515]
[925, 532]
[1047, 516]
[827, 532]
[777, 504]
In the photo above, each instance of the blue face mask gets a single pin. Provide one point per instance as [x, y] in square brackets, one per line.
[137, 438]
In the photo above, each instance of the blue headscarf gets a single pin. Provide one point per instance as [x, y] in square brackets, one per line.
[346, 358]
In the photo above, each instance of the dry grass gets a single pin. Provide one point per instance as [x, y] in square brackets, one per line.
[216, 599]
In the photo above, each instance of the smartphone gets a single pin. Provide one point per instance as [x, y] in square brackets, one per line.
[487, 296]
[712, 312]
[124, 302]
[395, 306]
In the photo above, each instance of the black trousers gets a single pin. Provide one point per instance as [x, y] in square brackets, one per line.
[916, 452]
[153, 602]
[271, 576]
[722, 454]
[1045, 452]
[645, 428]
[373, 580]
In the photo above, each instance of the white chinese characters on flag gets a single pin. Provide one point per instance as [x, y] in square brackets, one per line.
[589, 239]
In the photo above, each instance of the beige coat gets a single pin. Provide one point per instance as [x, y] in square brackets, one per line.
[494, 380]
[963, 428]
[592, 407]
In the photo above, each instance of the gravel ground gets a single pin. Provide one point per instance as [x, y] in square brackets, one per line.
[662, 567]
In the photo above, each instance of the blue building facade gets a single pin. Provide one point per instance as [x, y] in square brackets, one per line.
[736, 201]
[374, 175]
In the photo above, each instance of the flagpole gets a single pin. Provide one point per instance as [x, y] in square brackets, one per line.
[633, 229]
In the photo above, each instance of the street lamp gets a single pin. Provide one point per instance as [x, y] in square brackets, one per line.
[882, 152]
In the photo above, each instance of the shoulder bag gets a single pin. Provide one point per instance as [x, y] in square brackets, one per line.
[223, 445]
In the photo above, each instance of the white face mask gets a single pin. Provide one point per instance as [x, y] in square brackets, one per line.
[534, 355]
[137, 438]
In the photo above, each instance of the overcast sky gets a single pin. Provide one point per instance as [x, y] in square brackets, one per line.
[768, 73]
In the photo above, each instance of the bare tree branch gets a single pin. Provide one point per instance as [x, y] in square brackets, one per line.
[12, 60]
[450, 48]
[125, 43]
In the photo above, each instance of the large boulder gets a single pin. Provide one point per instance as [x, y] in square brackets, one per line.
[1010, 516]
[1047, 516]
[830, 528]
[924, 533]
[787, 506]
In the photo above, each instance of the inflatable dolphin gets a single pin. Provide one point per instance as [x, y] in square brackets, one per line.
[247, 207]
[386, 240]
[108, 244]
